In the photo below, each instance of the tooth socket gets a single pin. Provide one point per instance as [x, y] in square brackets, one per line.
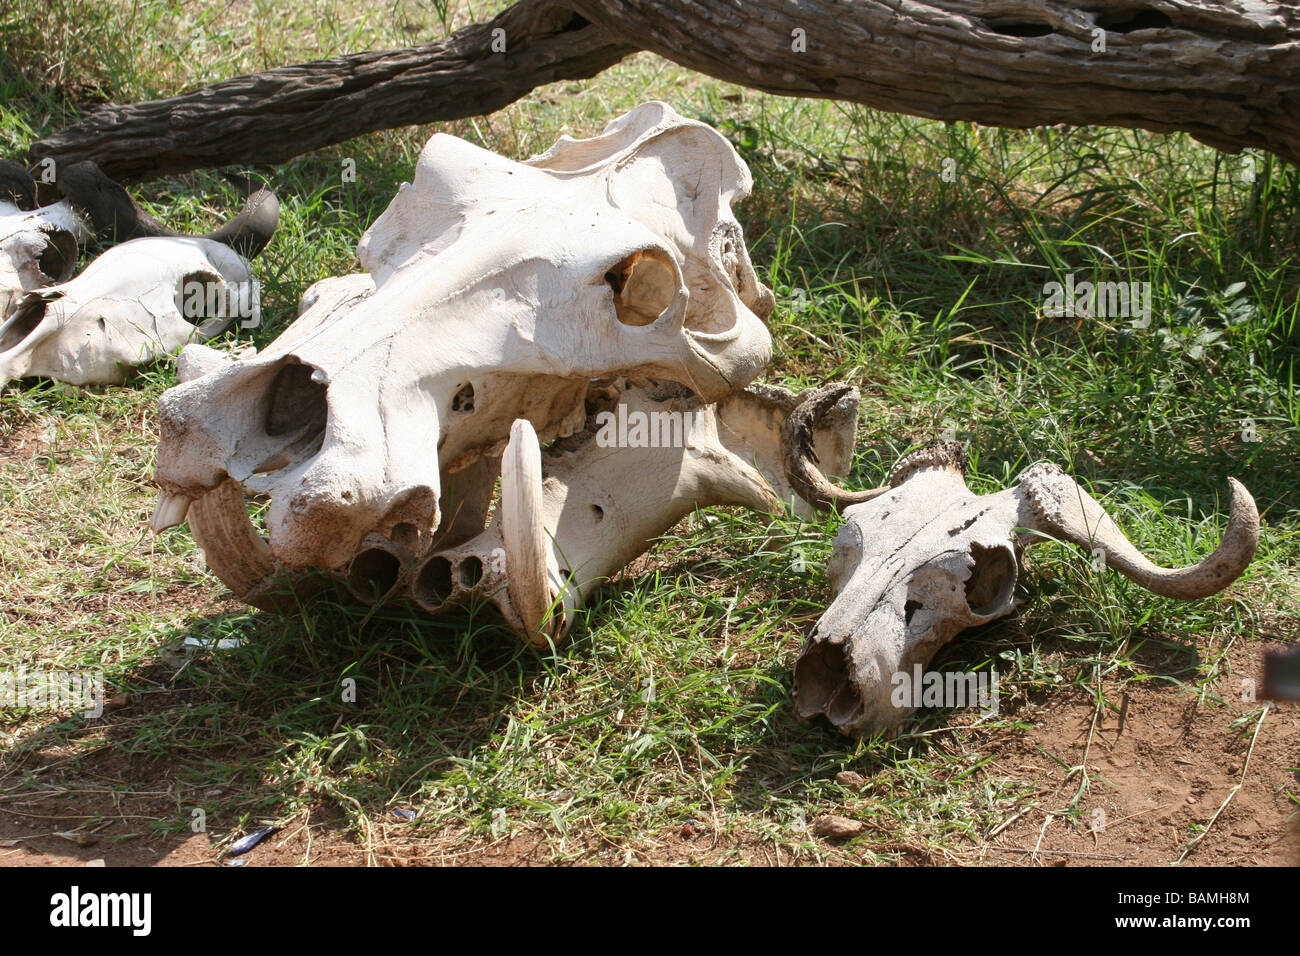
[378, 569]
[458, 576]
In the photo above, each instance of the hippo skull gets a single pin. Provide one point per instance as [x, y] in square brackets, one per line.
[496, 291]
[921, 560]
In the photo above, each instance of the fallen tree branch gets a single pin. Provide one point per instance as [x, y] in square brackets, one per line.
[270, 117]
[1225, 71]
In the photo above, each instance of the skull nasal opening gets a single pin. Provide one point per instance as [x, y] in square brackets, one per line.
[295, 402]
[992, 579]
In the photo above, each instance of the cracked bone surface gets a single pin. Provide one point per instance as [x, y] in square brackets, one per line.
[495, 291]
[925, 559]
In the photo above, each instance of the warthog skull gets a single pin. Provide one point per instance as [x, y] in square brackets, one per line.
[917, 562]
[136, 301]
[497, 291]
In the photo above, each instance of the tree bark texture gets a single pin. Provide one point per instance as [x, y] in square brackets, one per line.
[1225, 71]
[267, 118]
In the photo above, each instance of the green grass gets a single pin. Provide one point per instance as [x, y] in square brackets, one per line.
[670, 704]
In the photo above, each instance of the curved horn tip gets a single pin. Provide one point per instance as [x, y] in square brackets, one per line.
[253, 228]
[799, 456]
[1061, 507]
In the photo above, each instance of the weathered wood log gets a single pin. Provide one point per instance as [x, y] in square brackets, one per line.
[270, 117]
[1225, 71]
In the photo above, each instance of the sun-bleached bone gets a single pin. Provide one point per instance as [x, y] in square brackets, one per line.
[137, 301]
[38, 248]
[571, 518]
[601, 505]
[924, 559]
[495, 291]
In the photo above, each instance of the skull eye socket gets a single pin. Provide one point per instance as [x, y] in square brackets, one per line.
[644, 286]
[202, 295]
[992, 579]
[58, 260]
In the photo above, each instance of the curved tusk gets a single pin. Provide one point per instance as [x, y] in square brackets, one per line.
[1058, 506]
[169, 512]
[524, 535]
[800, 458]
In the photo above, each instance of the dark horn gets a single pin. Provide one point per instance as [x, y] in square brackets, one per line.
[112, 212]
[116, 217]
[250, 231]
[17, 185]
[800, 458]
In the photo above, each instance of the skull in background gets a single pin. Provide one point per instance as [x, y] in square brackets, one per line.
[38, 246]
[136, 301]
[919, 561]
[497, 291]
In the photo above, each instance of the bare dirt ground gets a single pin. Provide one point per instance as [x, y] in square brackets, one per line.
[1158, 778]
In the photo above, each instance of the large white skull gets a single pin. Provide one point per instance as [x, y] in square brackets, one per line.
[924, 558]
[568, 519]
[135, 302]
[497, 291]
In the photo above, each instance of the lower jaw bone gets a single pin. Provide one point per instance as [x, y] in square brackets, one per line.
[568, 521]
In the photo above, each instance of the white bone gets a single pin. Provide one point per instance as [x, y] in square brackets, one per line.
[497, 291]
[926, 559]
[169, 512]
[602, 505]
[37, 249]
[126, 309]
[523, 531]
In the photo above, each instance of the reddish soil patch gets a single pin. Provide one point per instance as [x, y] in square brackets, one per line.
[1170, 766]
[1165, 770]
